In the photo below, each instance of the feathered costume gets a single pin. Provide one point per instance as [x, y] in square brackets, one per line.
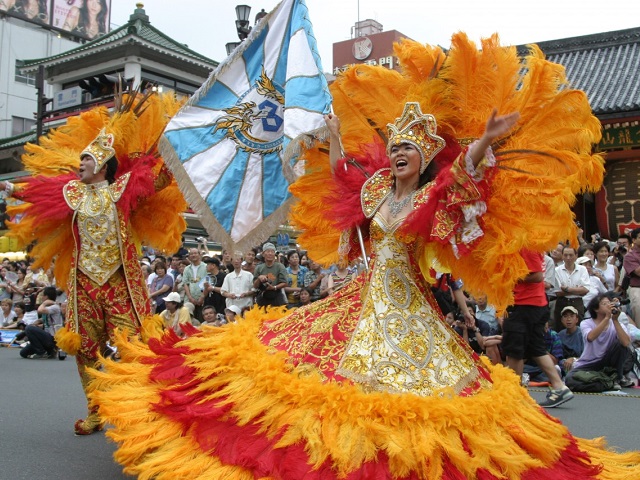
[370, 383]
[91, 231]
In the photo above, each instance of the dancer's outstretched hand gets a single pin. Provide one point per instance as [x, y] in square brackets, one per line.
[497, 126]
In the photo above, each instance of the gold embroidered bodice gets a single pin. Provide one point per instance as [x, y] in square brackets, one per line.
[400, 344]
[99, 250]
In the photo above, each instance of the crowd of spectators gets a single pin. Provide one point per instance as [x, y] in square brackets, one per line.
[592, 335]
[31, 303]
[592, 327]
[193, 286]
[201, 287]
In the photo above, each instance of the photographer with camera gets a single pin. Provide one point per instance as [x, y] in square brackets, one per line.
[270, 278]
[606, 348]
[623, 245]
[473, 334]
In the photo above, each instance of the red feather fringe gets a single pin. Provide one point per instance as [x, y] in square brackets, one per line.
[45, 196]
[218, 433]
[344, 200]
[141, 181]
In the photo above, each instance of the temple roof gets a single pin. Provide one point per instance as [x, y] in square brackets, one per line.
[606, 66]
[138, 31]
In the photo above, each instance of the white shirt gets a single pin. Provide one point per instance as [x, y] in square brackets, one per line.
[595, 287]
[238, 283]
[578, 278]
[549, 272]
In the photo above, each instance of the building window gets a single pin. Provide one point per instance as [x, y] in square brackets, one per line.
[28, 78]
[20, 125]
[177, 86]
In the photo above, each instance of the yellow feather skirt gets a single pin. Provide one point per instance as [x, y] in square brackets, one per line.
[222, 404]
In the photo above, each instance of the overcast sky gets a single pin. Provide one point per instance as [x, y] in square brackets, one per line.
[207, 25]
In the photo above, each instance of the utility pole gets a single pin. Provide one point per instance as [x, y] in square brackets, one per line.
[42, 102]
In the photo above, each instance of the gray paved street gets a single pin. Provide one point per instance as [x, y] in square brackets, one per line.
[40, 400]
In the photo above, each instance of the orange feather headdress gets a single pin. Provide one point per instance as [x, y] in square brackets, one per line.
[542, 165]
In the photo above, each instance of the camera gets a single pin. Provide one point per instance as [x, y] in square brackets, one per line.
[201, 239]
[615, 311]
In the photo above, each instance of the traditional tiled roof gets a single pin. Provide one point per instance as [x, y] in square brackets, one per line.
[18, 140]
[138, 30]
[605, 65]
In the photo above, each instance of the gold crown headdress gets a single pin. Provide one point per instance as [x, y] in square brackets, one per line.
[419, 130]
[101, 149]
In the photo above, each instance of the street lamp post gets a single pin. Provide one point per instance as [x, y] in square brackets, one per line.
[242, 25]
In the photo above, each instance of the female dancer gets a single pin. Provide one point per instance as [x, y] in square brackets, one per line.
[370, 382]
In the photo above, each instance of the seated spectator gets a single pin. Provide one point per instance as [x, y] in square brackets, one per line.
[571, 338]
[7, 315]
[209, 316]
[192, 312]
[447, 291]
[605, 348]
[231, 313]
[493, 339]
[161, 286]
[304, 297]
[18, 321]
[41, 343]
[554, 347]
[487, 313]
[175, 314]
[472, 334]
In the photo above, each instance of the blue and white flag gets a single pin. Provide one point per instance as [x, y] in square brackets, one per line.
[227, 146]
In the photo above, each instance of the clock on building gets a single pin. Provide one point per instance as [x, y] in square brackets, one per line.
[362, 48]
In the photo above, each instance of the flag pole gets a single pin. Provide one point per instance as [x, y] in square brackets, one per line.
[358, 229]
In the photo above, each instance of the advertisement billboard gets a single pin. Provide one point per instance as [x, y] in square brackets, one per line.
[87, 19]
[37, 11]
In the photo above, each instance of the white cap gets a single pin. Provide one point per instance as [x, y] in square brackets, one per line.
[235, 309]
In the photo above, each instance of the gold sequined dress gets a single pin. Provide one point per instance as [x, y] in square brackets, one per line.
[384, 331]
